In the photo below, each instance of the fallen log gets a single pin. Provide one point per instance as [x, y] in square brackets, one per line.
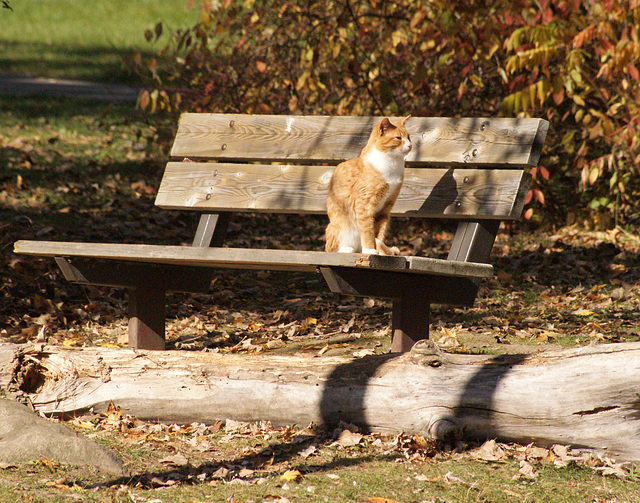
[586, 397]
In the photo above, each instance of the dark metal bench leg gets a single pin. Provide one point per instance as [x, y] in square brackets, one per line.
[473, 241]
[146, 317]
[212, 229]
[409, 323]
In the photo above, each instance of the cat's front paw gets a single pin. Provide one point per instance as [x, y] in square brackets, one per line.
[383, 249]
[369, 251]
[346, 249]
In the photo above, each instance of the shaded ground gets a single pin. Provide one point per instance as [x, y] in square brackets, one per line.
[88, 172]
[18, 85]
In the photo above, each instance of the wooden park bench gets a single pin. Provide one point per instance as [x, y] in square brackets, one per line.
[468, 170]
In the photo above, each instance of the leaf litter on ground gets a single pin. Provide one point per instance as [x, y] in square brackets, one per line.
[237, 452]
[571, 288]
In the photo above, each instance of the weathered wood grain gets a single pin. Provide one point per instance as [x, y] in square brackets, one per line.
[248, 258]
[585, 397]
[437, 141]
[458, 169]
[435, 193]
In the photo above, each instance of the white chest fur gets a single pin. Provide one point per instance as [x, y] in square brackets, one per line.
[389, 164]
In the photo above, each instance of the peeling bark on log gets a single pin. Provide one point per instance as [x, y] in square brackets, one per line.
[586, 397]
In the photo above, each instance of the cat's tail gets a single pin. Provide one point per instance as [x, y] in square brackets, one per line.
[342, 236]
[331, 244]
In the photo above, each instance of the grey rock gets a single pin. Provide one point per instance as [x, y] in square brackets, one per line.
[24, 437]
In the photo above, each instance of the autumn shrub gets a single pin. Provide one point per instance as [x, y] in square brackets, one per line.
[573, 62]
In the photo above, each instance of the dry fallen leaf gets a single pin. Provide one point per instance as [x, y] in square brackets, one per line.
[175, 460]
[489, 451]
[233, 427]
[448, 339]
[547, 336]
[114, 412]
[290, 476]
[51, 465]
[254, 326]
[85, 425]
[361, 353]
[245, 472]
[348, 439]
[305, 453]
[276, 344]
[58, 485]
[527, 470]
[450, 478]
[619, 293]
[534, 453]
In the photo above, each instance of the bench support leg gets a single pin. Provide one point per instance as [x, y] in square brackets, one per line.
[473, 241]
[409, 323]
[147, 285]
[212, 229]
[411, 294]
[146, 317]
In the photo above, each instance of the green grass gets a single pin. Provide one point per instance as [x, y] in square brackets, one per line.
[345, 478]
[66, 171]
[83, 40]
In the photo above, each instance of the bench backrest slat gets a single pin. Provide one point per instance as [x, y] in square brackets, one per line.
[435, 193]
[439, 142]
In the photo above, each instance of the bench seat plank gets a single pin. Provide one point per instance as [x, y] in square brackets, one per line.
[435, 193]
[437, 141]
[473, 171]
[245, 258]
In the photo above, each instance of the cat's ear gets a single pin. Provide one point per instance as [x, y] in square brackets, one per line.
[405, 119]
[384, 125]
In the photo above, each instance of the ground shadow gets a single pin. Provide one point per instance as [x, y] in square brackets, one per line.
[343, 405]
[96, 64]
[568, 266]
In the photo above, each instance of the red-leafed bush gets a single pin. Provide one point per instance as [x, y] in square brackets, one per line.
[574, 62]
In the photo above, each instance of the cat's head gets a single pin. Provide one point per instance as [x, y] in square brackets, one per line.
[391, 136]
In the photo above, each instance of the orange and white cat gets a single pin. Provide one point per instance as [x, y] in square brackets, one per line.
[363, 190]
